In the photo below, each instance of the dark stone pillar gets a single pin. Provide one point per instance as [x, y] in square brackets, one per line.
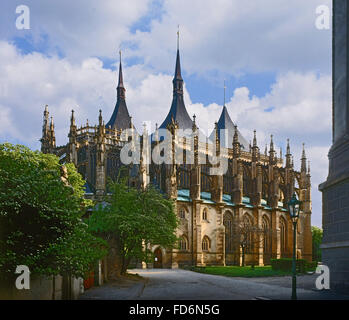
[335, 191]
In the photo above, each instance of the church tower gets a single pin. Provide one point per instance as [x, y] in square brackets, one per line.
[178, 112]
[120, 118]
[48, 139]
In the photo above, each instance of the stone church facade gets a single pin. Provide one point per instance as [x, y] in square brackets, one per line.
[253, 191]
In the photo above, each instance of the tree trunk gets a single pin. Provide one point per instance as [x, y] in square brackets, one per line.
[114, 259]
[125, 265]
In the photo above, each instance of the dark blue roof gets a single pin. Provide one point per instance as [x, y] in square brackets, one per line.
[178, 112]
[120, 118]
[226, 123]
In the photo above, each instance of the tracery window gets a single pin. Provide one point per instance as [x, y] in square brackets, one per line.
[205, 244]
[205, 178]
[182, 213]
[204, 215]
[266, 235]
[183, 243]
[228, 223]
[283, 234]
[247, 233]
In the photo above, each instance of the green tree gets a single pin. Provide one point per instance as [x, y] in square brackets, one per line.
[131, 220]
[317, 240]
[41, 205]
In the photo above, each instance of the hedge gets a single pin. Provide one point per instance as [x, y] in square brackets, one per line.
[285, 264]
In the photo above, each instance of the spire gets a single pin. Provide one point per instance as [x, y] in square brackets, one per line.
[121, 89]
[45, 127]
[100, 118]
[46, 113]
[194, 127]
[308, 168]
[178, 111]
[288, 149]
[288, 155]
[236, 143]
[72, 119]
[225, 123]
[178, 75]
[72, 130]
[304, 161]
[120, 118]
[272, 155]
[52, 134]
[236, 135]
[218, 147]
[178, 80]
[45, 139]
[255, 149]
[271, 144]
[52, 125]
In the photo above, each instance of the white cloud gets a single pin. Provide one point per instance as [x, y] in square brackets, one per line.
[301, 104]
[225, 36]
[79, 28]
[232, 36]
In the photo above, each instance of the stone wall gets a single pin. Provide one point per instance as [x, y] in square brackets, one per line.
[335, 247]
[335, 191]
[44, 288]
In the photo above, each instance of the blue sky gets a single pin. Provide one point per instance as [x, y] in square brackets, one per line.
[276, 64]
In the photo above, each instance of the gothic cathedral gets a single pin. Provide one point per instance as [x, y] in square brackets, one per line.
[249, 199]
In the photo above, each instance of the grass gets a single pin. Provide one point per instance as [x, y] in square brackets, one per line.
[246, 272]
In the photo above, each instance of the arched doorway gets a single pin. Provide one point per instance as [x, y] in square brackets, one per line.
[158, 258]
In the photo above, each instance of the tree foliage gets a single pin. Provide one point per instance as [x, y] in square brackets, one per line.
[40, 215]
[132, 220]
[317, 240]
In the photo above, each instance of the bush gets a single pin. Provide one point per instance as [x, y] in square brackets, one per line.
[311, 266]
[285, 264]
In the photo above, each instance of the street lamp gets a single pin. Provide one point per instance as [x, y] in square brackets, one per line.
[293, 207]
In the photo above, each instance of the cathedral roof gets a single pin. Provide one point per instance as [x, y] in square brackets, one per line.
[178, 112]
[225, 122]
[120, 118]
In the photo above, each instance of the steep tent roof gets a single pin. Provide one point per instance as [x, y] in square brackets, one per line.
[225, 122]
[120, 118]
[178, 112]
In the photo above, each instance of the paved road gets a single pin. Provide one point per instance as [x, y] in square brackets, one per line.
[160, 284]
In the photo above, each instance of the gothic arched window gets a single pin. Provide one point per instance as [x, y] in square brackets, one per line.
[266, 235]
[183, 243]
[182, 213]
[205, 244]
[283, 234]
[204, 215]
[205, 178]
[247, 233]
[228, 224]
